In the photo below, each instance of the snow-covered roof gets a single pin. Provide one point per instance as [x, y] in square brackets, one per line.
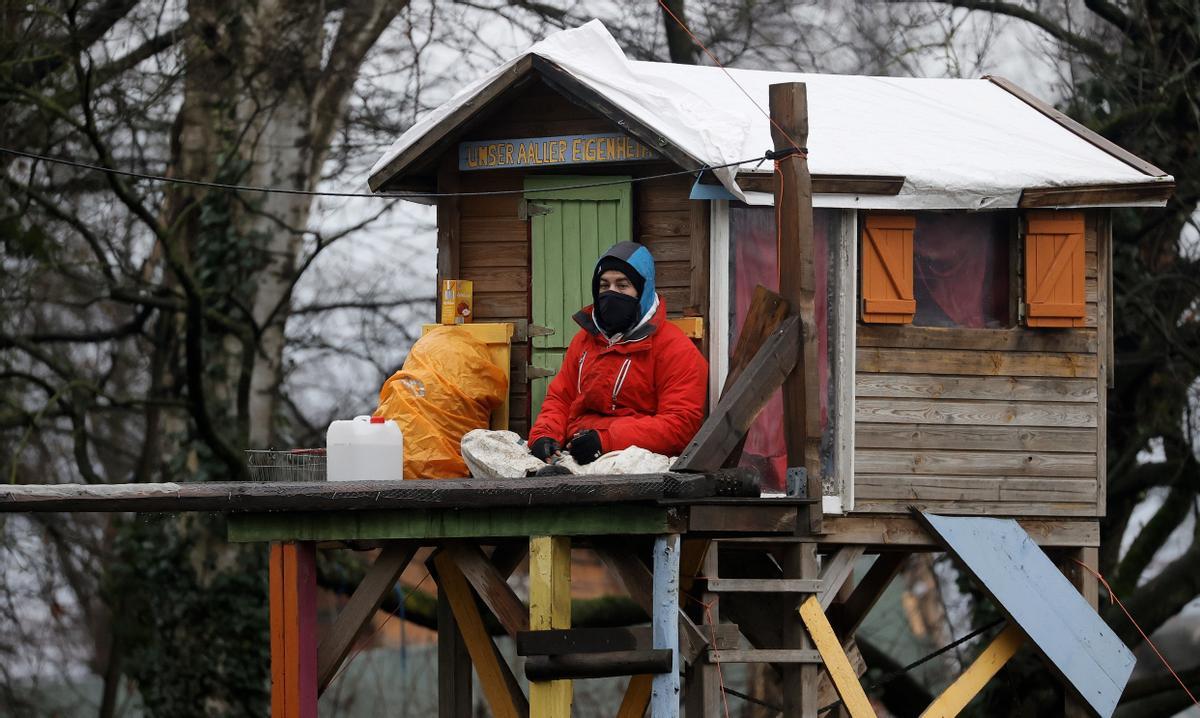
[959, 144]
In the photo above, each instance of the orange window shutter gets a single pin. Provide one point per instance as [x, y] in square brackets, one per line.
[1054, 260]
[887, 269]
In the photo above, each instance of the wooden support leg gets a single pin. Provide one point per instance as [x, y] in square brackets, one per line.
[499, 686]
[293, 605]
[844, 677]
[1090, 588]
[799, 680]
[549, 608]
[454, 665]
[376, 584]
[703, 695]
[664, 698]
[959, 693]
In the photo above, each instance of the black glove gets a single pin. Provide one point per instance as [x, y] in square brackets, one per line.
[544, 448]
[585, 446]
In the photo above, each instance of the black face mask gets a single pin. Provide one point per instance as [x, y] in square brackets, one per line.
[617, 313]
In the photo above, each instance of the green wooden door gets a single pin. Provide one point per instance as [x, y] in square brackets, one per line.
[570, 228]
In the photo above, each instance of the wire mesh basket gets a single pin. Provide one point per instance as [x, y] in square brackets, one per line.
[286, 464]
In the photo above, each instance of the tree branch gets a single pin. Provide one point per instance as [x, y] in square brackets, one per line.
[1158, 599]
[1079, 42]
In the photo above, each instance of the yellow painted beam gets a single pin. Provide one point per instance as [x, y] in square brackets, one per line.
[637, 697]
[549, 608]
[845, 680]
[959, 693]
[499, 686]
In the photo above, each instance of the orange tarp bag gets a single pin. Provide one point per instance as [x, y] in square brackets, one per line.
[448, 386]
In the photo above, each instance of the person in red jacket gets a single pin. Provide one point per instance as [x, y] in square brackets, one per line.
[629, 377]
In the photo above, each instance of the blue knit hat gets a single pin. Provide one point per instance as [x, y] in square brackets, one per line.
[635, 262]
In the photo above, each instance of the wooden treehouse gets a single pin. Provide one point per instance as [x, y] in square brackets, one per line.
[909, 330]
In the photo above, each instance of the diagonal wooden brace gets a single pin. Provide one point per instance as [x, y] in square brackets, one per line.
[500, 687]
[363, 604]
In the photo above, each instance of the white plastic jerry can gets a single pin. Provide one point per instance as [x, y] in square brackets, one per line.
[364, 448]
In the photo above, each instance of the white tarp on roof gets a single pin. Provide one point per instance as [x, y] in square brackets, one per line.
[959, 144]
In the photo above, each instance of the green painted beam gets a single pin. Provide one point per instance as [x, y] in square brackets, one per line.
[449, 523]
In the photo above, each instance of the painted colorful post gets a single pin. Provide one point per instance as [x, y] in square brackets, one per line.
[293, 606]
[549, 608]
[664, 698]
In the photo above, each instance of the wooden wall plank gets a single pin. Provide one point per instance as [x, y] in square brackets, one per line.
[974, 463]
[1015, 339]
[492, 280]
[962, 490]
[501, 306]
[996, 438]
[925, 386]
[486, 230]
[905, 531]
[983, 413]
[979, 507]
[985, 363]
[494, 254]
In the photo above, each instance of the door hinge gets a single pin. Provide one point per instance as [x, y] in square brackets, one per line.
[536, 372]
[527, 209]
[539, 331]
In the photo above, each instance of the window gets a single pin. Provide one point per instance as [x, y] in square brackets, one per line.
[753, 261]
[937, 269]
[961, 269]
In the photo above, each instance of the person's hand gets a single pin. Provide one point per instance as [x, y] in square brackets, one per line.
[585, 446]
[544, 448]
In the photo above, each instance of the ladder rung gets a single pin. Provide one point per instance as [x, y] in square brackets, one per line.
[764, 585]
[765, 655]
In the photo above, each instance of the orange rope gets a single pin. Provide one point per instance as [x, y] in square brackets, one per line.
[1113, 597]
[716, 653]
[713, 57]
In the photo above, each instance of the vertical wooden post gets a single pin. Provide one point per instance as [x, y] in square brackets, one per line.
[1090, 588]
[703, 695]
[454, 665]
[448, 233]
[293, 608]
[664, 698]
[549, 608]
[800, 681]
[797, 283]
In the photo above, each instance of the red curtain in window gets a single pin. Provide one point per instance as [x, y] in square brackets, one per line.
[960, 270]
[754, 262]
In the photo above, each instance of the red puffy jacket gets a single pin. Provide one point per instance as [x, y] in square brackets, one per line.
[647, 390]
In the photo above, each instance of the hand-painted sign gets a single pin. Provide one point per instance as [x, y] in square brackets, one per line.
[550, 151]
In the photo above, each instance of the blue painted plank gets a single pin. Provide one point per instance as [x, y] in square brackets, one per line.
[1035, 594]
[664, 695]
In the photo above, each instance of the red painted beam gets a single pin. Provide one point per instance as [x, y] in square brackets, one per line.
[293, 630]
